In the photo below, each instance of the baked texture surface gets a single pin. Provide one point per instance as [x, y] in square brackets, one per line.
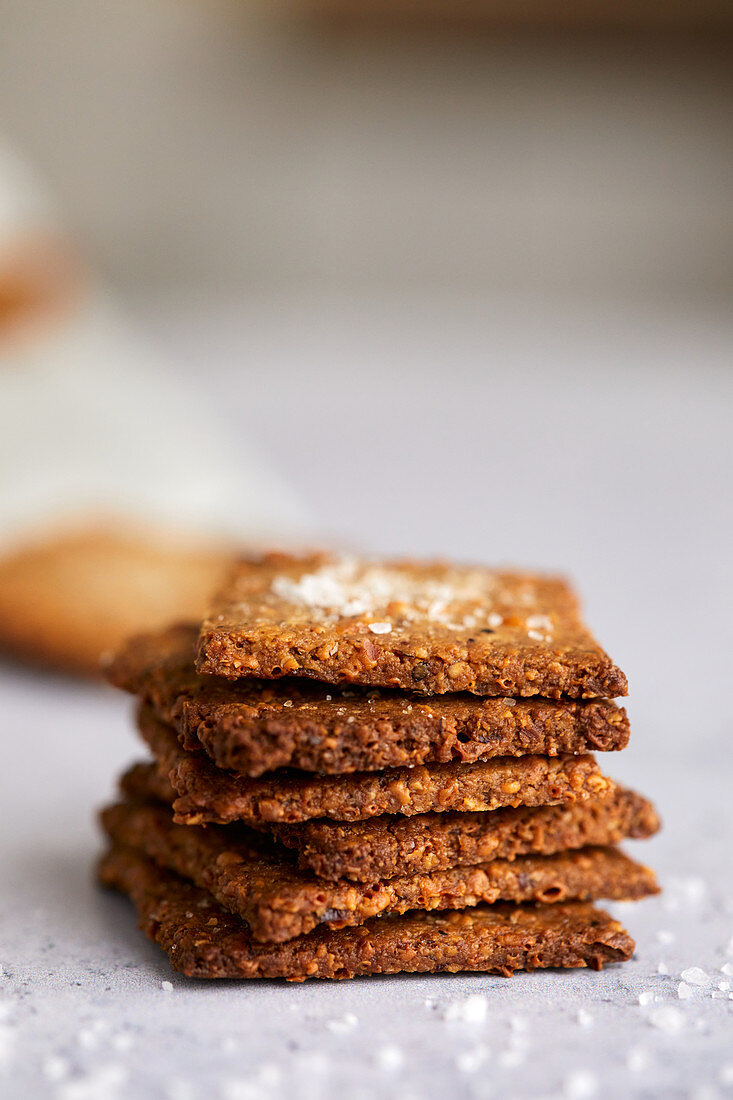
[203, 940]
[253, 726]
[247, 876]
[426, 627]
[209, 794]
[385, 846]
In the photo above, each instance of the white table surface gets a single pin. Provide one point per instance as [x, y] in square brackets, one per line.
[600, 445]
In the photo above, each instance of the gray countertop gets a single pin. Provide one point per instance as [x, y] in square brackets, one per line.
[598, 443]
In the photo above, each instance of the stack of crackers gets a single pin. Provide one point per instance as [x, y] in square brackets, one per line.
[365, 767]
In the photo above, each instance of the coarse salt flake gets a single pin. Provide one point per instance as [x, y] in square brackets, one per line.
[668, 1018]
[389, 1058]
[637, 1060]
[695, 975]
[684, 992]
[469, 1061]
[473, 1010]
[579, 1085]
[380, 628]
[167, 987]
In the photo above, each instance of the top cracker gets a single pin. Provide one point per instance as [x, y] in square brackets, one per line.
[420, 626]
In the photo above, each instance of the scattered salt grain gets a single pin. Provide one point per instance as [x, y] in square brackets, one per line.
[380, 628]
[345, 1023]
[103, 1082]
[579, 1085]
[287, 702]
[664, 936]
[694, 975]
[723, 986]
[646, 997]
[5, 1010]
[469, 1061]
[729, 948]
[725, 1077]
[167, 987]
[123, 1041]
[518, 1023]
[179, 1090]
[88, 1038]
[727, 968]
[668, 1018]
[389, 1058]
[55, 1068]
[637, 1060]
[511, 1058]
[662, 968]
[684, 992]
[472, 1010]
[584, 1018]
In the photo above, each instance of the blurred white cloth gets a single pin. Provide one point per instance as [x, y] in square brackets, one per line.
[93, 423]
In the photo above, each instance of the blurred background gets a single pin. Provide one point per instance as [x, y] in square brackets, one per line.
[448, 279]
[443, 277]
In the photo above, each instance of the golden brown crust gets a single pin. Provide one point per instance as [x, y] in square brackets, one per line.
[203, 940]
[385, 846]
[248, 877]
[208, 794]
[424, 627]
[67, 599]
[254, 726]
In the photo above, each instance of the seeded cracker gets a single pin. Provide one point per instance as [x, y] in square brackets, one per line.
[421, 627]
[383, 847]
[254, 726]
[203, 940]
[249, 877]
[208, 794]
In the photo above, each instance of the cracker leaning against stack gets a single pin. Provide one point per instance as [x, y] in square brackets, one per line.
[371, 767]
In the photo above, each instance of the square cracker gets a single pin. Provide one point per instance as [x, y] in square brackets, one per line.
[203, 940]
[425, 627]
[261, 883]
[253, 726]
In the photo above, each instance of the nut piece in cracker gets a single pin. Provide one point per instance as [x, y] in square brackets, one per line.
[420, 626]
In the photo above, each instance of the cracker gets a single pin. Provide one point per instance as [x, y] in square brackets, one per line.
[424, 627]
[385, 846]
[203, 940]
[247, 876]
[254, 726]
[207, 793]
